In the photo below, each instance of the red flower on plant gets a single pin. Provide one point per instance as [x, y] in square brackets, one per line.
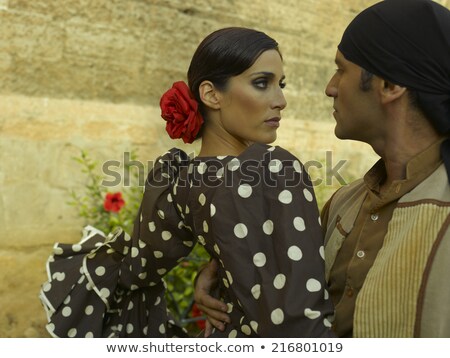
[180, 110]
[195, 312]
[113, 202]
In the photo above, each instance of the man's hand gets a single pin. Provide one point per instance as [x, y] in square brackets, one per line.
[214, 309]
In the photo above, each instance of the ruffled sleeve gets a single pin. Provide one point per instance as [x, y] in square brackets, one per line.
[111, 286]
[270, 247]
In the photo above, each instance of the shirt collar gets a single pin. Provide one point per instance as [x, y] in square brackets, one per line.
[417, 169]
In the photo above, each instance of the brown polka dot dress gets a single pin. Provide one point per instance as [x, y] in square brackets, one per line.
[255, 213]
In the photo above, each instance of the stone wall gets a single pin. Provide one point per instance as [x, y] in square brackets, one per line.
[88, 74]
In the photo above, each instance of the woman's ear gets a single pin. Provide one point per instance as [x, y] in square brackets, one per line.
[209, 95]
[390, 91]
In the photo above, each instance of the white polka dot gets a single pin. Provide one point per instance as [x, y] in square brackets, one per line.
[279, 281]
[50, 327]
[285, 197]
[202, 168]
[205, 226]
[259, 259]
[270, 149]
[312, 285]
[158, 301]
[130, 306]
[202, 199]
[67, 300]
[134, 252]
[229, 307]
[297, 166]
[256, 291]
[229, 277]
[312, 314]
[277, 316]
[254, 326]
[212, 210]
[174, 189]
[225, 283]
[142, 244]
[88, 310]
[246, 330]
[240, 230]
[326, 323]
[143, 275]
[169, 198]
[151, 226]
[67, 311]
[219, 173]
[233, 164]
[326, 295]
[104, 292]
[166, 235]
[72, 332]
[268, 227]
[201, 240]
[89, 335]
[47, 287]
[162, 328]
[143, 261]
[245, 191]
[232, 334]
[161, 271]
[216, 249]
[130, 328]
[76, 247]
[100, 271]
[161, 214]
[275, 166]
[188, 243]
[59, 276]
[322, 252]
[308, 195]
[294, 253]
[299, 224]
[187, 210]
[57, 250]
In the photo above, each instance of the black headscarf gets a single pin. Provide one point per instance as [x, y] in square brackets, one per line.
[407, 42]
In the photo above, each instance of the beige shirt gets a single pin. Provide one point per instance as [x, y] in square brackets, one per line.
[362, 244]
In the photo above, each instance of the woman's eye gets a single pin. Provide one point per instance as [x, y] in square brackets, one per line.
[282, 85]
[261, 83]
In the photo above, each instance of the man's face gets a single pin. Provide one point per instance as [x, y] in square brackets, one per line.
[355, 109]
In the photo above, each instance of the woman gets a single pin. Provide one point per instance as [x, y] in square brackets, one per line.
[250, 205]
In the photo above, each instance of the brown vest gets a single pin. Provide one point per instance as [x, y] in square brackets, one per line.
[407, 290]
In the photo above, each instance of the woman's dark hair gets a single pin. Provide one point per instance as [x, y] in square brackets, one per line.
[226, 53]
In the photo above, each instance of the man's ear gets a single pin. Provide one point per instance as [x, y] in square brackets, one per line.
[209, 95]
[390, 91]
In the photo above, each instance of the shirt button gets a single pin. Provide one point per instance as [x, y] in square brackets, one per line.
[374, 217]
[360, 254]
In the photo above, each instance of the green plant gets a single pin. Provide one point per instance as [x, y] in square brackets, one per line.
[106, 211]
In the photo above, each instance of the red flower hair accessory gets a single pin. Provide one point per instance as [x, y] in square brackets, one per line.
[180, 110]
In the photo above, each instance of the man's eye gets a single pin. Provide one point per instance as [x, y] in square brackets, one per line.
[282, 85]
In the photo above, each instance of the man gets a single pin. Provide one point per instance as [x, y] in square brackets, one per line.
[387, 237]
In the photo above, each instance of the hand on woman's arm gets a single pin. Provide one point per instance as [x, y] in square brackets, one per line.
[214, 309]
